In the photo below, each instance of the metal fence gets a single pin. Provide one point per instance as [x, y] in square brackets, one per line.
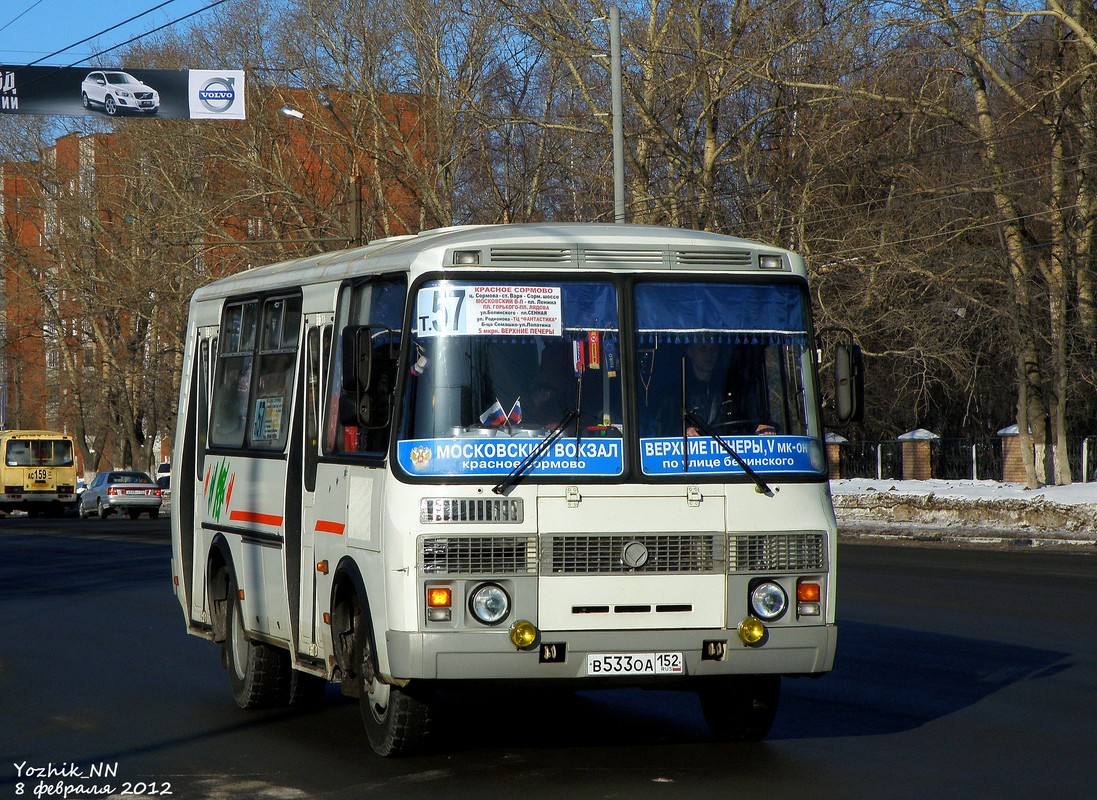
[954, 459]
[880, 460]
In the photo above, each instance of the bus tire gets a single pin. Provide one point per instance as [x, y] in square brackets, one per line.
[258, 672]
[398, 719]
[740, 708]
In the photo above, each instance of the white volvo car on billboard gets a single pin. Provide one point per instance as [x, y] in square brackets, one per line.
[115, 91]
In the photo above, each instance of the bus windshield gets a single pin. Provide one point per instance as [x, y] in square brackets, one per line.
[497, 365]
[716, 360]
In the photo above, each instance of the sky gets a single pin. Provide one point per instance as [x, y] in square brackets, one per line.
[34, 29]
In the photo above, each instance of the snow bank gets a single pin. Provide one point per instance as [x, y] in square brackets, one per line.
[1069, 512]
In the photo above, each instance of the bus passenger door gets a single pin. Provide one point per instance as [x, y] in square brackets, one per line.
[320, 518]
[188, 503]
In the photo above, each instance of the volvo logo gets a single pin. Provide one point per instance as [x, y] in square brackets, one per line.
[218, 94]
[634, 554]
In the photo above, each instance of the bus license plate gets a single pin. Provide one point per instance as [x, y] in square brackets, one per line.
[635, 664]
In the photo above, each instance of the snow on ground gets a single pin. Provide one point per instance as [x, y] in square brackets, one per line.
[969, 509]
[1085, 493]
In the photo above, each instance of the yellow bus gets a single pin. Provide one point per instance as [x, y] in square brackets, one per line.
[38, 472]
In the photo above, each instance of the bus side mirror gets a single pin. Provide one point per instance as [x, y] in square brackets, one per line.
[369, 373]
[357, 358]
[849, 383]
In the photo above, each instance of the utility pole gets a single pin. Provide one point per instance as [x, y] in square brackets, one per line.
[618, 124]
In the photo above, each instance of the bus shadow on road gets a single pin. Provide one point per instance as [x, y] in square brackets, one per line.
[889, 680]
[885, 680]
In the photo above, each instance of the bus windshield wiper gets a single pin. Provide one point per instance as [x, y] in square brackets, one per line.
[689, 417]
[524, 465]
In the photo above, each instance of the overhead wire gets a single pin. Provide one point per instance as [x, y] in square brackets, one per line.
[169, 24]
[149, 32]
[101, 33]
[22, 13]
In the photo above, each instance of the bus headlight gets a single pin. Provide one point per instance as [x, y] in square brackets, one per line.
[768, 600]
[489, 603]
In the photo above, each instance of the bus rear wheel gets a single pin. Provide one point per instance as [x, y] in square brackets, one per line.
[258, 673]
[398, 719]
[740, 708]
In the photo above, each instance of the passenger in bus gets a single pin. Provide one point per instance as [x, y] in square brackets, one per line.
[277, 375]
[551, 394]
[705, 383]
[716, 392]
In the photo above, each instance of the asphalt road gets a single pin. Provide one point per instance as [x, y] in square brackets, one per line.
[960, 673]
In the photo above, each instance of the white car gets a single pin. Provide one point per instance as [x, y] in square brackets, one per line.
[115, 91]
[127, 492]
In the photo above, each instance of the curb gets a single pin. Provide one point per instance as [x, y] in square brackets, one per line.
[927, 534]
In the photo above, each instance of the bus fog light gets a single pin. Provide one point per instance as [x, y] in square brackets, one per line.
[751, 631]
[768, 600]
[524, 634]
[489, 603]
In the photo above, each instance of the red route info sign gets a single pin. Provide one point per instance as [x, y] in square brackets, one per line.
[490, 310]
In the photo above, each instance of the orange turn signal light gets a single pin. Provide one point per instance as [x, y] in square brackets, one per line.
[807, 592]
[439, 596]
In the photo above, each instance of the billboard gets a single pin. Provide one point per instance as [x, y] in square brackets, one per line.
[166, 93]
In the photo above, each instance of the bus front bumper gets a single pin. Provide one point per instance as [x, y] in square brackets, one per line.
[791, 650]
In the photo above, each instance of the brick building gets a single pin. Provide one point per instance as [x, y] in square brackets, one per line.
[95, 274]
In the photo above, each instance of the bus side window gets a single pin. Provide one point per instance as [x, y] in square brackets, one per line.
[231, 389]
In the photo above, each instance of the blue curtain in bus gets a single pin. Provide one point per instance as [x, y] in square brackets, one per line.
[737, 313]
[589, 306]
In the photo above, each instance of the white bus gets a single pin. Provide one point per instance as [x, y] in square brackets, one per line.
[475, 455]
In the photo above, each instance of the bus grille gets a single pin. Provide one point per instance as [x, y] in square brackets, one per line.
[662, 553]
[714, 259]
[800, 551]
[464, 509]
[532, 255]
[479, 555]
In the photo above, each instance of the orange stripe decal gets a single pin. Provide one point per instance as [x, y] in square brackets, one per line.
[326, 526]
[255, 516]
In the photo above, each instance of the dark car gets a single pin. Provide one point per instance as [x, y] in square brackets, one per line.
[128, 492]
[163, 480]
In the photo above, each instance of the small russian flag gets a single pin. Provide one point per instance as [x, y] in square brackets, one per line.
[514, 416]
[494, 416]
[577, 358]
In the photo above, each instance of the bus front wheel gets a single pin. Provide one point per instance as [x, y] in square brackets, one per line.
[397, 719]
[740, 708]
[258, 673]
